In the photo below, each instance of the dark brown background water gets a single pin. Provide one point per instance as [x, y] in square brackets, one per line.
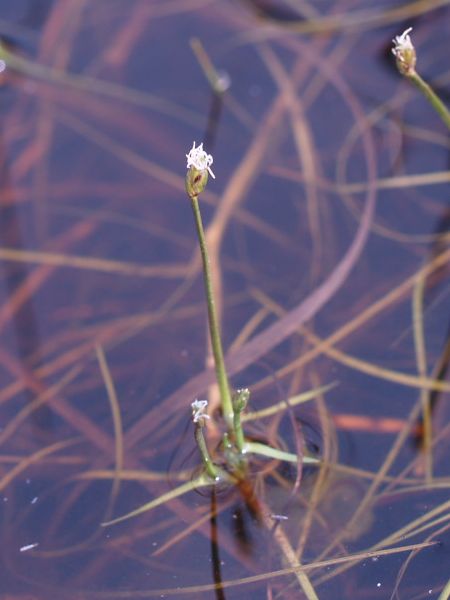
[97, 237]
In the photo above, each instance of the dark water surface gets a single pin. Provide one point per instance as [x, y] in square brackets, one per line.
[99, 276]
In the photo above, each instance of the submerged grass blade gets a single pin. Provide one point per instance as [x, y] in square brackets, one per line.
[251, 579]
[117, 423]
[92, 85]
[283, 405]
[421, 361]
[201, 481]
[445, 594]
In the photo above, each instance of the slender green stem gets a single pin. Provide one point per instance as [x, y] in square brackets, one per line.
[239, 400]
[239, 434]
[216, 343]
[209, 465]
[430, 95]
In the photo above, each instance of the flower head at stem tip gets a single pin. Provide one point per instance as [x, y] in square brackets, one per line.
[404, 52]
[198, 410]
[199, 159]
[402, 42]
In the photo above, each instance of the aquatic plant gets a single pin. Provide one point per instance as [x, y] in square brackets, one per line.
[406, 60]
[103, 357]
[235, 449]
[233, 403]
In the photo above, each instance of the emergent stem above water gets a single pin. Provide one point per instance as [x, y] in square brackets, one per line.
[214, 329]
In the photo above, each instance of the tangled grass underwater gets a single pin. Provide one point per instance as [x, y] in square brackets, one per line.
[328, 230]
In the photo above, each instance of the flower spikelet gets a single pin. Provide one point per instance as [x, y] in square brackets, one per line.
[199, 165]
[404, 52]
[198, 411]
[199, 159]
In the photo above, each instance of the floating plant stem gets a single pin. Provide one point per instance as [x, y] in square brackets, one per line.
[269, 452]
[405, 57]
[197, 176]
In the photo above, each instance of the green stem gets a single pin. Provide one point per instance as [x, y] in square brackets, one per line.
[209, 465]
[239, 434]
[240, 401]
[430, 95]
[216, 343]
